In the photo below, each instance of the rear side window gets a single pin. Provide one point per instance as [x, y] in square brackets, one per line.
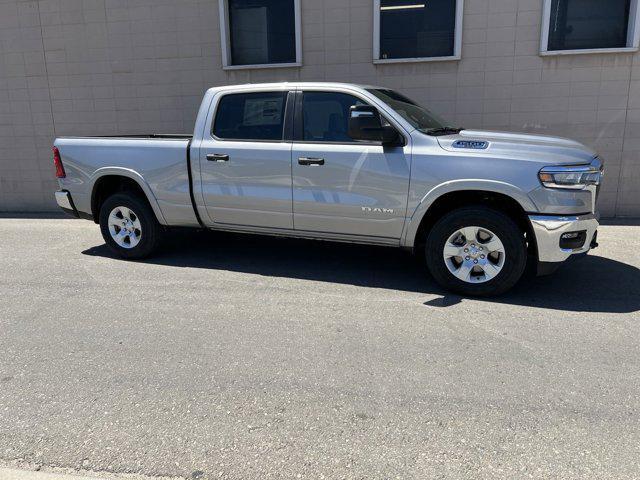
[326, 116]
[251, 116]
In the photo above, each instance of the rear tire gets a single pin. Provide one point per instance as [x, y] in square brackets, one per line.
[489, 262]
[129, 226]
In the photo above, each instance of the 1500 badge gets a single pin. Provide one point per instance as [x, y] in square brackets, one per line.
[472, 144]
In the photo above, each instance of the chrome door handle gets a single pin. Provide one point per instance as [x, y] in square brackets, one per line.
[217, 157]
[310, 161]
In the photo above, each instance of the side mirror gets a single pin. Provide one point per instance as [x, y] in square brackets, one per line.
[365, 124]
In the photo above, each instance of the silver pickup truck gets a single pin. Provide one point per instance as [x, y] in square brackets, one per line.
[347, 163]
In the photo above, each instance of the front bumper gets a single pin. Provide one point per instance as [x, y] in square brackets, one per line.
[548, 230]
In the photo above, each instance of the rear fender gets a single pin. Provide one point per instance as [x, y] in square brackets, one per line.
[136, 177]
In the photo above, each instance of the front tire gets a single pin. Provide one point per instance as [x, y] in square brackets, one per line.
[129, 226]
[476, 251]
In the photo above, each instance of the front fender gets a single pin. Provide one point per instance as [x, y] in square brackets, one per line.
[413, 222]
[133, 175]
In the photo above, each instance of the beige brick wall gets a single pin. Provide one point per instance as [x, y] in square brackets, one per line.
[80, 67]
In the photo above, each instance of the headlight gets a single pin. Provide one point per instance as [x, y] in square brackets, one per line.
[575, 177]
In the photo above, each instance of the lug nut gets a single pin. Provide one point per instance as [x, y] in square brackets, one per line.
[468, 258]
[475, 261]
[466, 250]
[481, 256]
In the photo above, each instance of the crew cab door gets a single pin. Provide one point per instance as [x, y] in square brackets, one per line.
[340, 185]
[246, 162]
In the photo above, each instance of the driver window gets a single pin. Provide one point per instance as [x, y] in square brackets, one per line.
[326, 116]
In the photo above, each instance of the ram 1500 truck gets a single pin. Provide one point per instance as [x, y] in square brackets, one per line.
[344, 163]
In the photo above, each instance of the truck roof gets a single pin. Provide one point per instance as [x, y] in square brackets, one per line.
[295, 85]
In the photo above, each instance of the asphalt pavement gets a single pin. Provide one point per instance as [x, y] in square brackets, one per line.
[247, 357]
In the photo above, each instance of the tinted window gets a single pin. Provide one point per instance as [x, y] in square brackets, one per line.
[251, 116]
[579, 24]
[262, 31]
[326, 116]
[417, 29]
[419, 117]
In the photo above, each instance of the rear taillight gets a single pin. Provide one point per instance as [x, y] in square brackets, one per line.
[57, 161]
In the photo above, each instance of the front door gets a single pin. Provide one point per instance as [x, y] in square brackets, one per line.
[340, 185]
[246, 163]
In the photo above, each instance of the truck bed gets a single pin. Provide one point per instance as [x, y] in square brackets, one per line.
[158, 162]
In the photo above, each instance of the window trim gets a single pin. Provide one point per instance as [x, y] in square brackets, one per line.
[633, 34]
[298, 119]
[225, 40]
[457, 45]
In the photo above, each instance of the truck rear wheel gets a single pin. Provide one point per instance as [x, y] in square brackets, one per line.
[129, 226]
[476, 251]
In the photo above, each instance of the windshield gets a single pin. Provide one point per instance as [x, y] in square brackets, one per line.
[419, 117]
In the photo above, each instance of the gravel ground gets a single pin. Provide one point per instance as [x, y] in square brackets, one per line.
[248, 357]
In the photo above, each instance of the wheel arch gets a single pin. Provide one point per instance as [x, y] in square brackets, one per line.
[433, 207]
[112, 180]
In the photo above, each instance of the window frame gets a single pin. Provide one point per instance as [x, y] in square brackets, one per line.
[633, 34]
[299, 119]
[457, 45]
[287, 123]
[225, 40]
[299, 123]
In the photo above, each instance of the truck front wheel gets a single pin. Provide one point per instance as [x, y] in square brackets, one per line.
[476, 251]
[129, 226]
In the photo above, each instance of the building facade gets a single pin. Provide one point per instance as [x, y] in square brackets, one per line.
[105, 67]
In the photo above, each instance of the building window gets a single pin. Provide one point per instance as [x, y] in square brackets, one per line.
[420, 30]
[585, 26]
[260, 33]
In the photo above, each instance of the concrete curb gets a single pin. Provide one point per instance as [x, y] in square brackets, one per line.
[11, 474]
[15, 474]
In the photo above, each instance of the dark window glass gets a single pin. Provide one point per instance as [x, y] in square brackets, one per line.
[580, 24]
[250, 116]
[326, 116]
[262, 31]
[419, 117]
[414, 29]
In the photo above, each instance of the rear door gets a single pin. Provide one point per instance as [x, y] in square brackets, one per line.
[342, 186]
[246, 161]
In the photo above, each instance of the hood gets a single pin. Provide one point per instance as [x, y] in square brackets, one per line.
[543, 148]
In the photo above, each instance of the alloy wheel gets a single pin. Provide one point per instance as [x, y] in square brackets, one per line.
[474, 254]
[124, 227]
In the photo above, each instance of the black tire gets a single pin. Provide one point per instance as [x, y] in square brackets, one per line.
[150, 234]
[511, 236]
